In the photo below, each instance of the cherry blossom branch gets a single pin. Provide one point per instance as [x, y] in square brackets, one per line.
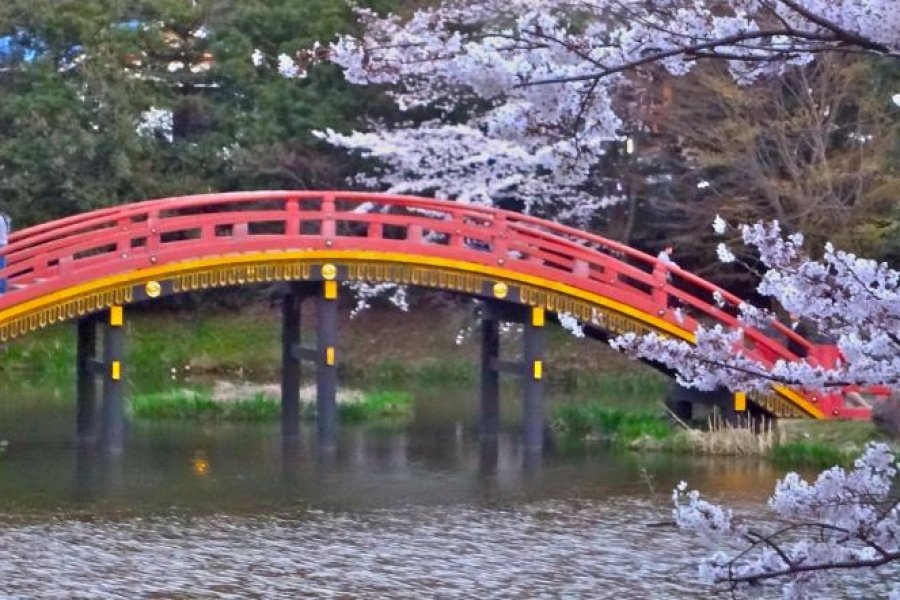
[842, 33]
[688, 51]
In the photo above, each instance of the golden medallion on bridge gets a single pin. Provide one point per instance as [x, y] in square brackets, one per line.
[153, 289]
[329, 271]
[500, 290]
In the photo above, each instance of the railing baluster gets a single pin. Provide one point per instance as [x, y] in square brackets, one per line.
[499, 233]
[153, 234]
[329, 223]
[292, 217]
[414, 233]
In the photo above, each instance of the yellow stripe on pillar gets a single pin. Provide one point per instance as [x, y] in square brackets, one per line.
[115, 370]
[329, 356]
[537, 316]
[116, 316]
[538, 369]
[740, 401]
[331, 290]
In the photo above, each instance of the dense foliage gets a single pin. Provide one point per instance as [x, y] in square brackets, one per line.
[106, 102]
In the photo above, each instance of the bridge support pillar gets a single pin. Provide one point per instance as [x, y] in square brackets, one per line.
[326, 369]
[290, 364]
[113, 430]
[86, 384]
[489, 422]
[530, 369]
[533, 380]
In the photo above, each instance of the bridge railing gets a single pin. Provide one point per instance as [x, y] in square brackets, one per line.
[212, 222]
[119, 239]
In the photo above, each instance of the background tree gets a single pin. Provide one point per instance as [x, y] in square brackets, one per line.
[814, 148]
[811, 149]
[78, 80]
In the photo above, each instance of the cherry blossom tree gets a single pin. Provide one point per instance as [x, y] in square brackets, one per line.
[845, 519]
[523, 95]
[521, 99]
[855, 300]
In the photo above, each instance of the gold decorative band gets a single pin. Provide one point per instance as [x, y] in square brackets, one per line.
[227, 276]
[64, 311]
[433, 277]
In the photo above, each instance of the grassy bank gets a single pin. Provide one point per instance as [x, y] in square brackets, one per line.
[594, 421]
[380, 346]
[791, 444]
[201, 404]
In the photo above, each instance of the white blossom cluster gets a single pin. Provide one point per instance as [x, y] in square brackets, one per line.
[157, 122]
[843, 519]
[537, 81]
[365, 292]
[855, 302]
[570, 323]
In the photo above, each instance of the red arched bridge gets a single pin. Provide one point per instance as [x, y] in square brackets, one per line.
[95, 263]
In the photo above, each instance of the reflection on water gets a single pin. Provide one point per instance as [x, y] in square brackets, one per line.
[227, 510]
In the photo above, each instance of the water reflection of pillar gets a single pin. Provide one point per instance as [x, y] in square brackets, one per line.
[291, 458]
[532, 459]
[398, 451]
[488, 455]
[357, 452]
[96, 472]
[85, 482]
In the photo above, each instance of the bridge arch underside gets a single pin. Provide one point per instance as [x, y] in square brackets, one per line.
[606, 317]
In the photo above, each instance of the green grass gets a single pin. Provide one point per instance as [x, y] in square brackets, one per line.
[810, 454]
[380, 405]
[194, 404]
[47, 352]
[198, 404]
[596, 420]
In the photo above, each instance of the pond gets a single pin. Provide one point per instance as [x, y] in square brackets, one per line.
[225, 510]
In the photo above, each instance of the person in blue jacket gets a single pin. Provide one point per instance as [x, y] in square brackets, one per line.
[5, 226]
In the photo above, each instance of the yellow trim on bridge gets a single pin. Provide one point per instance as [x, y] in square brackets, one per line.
[161, 272]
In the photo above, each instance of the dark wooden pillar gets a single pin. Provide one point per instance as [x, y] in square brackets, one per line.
[290, 364]
[533, 380]
[86, 384]
[326, 369]
[489, 423]
[113, 431]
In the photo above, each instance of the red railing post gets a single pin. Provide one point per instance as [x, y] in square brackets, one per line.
[499, 245]
[153, 235]
[292, 217]
[329, 223]
[414, 233]
[123, 237]
[659, 295]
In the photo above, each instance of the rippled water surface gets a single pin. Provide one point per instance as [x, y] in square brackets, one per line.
[227, 511]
